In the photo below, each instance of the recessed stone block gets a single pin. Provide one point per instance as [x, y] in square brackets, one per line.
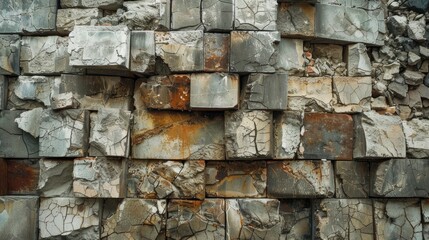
[287, 133]
[55, 178]
[217, 15]
[291, 58]
[216, 52]
[353, 94]
[358, 62]
[296, 20]
[142, 51]
[68, 18]
[417, 137]
[10, 46]
[296, 214]
[310, 94]
[351, 179]
[255, 15]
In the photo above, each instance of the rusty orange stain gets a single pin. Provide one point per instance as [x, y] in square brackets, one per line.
[22, 176]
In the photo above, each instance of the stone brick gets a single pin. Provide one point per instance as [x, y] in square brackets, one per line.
[28, 92]
[166, 179]
[300, 179]
[147, 14]
[3, 177]
[296, 20]
[55, 178]
[103, 4]
[358, 62]
[22, 176]
[351, 179]
[142, 54]
[186, 15]
[64, 101]
[425, 210]
[10, 46]
[236, 179]
[310, 94]
[3, 92]
[353, 94]
[287, 133]
[216, 51]
[296, 214]
[68, 18]
[178, 135]
[417, 137]
[291, 58]
[255, 15]
[217, 15]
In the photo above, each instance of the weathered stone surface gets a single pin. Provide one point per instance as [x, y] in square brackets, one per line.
[397, 219]
[425, 210]
[236, 179]
[358, 62]
[28, 92]
[100, 46]
[378, 136]
[180, 51]
[55, 178]
[214, 91]
[3, 177]
[255, 15]
[217, 15]
[261, 53]
[216, 51]
[103, 4]
[353, 94]
[351, 179]
[397, 24]
[201, 219]
[10, 46]
[416, 29]
[71, 218]
[344, 219]
[248, 134]
[310, 93]
[142, 52]
[178, 135]
[64, 101]
[413, 78]
[287, 133]
[18, 217]
[291, 58]
[69, 17]
[265, 92]
[333, 52]
[166, 179]
[253, 219]
[3, 92]
[147, 14]
[305, 179]
[296, 20]
[29, 121]
[296, 216]
[417, 137]
[22, 176]
[186, 15]
[134, 219]
[64, 133]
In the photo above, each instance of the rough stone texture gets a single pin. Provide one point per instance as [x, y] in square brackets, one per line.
[178, 135]
[248, 134]
[291, 58]
[142, 52]
[296, 216]
[64, 101]
[236, 179]
[344, 219]
[103, 4]
[287, 134]
[216, 51]
[353, 94]
[358, 62]
[3, 177]
[29, 121]
[10, 46]
[134, 219]
[300, 179]
[214, 91]
[255, 15]
[100, 46]
[3, 92]
[296, 20]
[55, 178]
[351, 179]
[68, 18]
[327, 136]
[417, 137]
[71, 218]
[198, 219]
[186, 15]
[22, 176]
[416, 29]
[217, 15]
[18, 217]
[425, 210]
[378, 136]
[332, 52]
[310, 93]
[261, 53]
[147, 14]
[166, 179]
[64, 133]
[265, 92]
[28, 92]
[253, 219]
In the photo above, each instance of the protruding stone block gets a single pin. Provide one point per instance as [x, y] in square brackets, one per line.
[22, 176]
[236, 179]
[353, 94]
[296, 20]
[287, 133]
[351, 179]
[296, 214]
[216, 52]
[255, 15]
[3, 92]
[147, 14]
[68, 18]
[417, 137]
[29, 92]
[10, 46]
[64, 101]
[291, 58]
[55, 178]
[166, 179]
[143, 51]
[186, 15]
[217, 15]
[310, 94]
[358, 62]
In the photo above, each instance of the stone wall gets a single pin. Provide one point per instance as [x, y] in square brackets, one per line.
[214, 119]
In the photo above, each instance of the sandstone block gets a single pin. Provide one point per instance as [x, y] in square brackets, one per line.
[10, 46]
[22, 176]
[353, 94]
[147, 14]
[296, 20]
[358, 62]
[216, 52]
[291, 58]
[186, 15]
[296, 214]
[309, 94]
[29, 92]
[255, 15]
[417, 137]
[217, 15]
[351, 179]
[55, 178]
[287, 134]
[19, 217]
[142, 54]
[68, 18]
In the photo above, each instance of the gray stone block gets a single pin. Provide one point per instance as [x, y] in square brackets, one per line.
[291, 58]
[351, 179]
[296, 214]
[68, 18]
[55, 178]
[255, 15]
[216, 52]
[287, 133]
[310, 94]
[147, 14]
[28, 92]
[3, 92]
[417, 137]
[29, 121]
[353, 94]
[296, 20]
[142, 54]
[217, 15]
[103, 4]
[186, 15]
[358, 62]
[10, 46]
[425, 210]
[64, 101]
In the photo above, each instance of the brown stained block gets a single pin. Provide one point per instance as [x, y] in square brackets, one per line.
[3, 177]
[22, 176]
[327, 136]
[296, 19]
[216, 52]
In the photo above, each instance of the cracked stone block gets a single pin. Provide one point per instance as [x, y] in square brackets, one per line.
[29, 121]
[103, 4]
[265, 92]
[253, 219]
[201, 219]
[13, 138]
[216, 52]
[22, 176]
[296, 214]
[296, 20]
[287, 133]
[55, 178]
[180, 51]
[64, 133]
[425, 231]
[248, 134]
[358, 62]
[333, 52]
[353, 94]
[327, 136]
[255, 15]
[100, 47]
[417, 137]
[10, 46]
[310, 94]
[261, 53]
[99, 177]
[64, 101]
[217, 15]
[68, 18]
[344, 219]
[397, 219]
[214, 91]
[351, 179]
[400, 178]
[378, 136]
[134, 219]
[300, 179]
[27, 16]
[178, 135]
[142, 54]
[425, 210]
[109, 134]
[291, 58]
[3, 92]
[166, 179]
[71, 218]
[147, 14]
[236, 179]
[3, 177]
[186, 15]
[18, 217]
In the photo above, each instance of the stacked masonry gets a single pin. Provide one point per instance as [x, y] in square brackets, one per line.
[214, 119]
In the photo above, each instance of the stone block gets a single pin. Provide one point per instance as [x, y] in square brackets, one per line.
[248, 134]
[425, 210]
[327, 136]
[29, 121]
[147, 14]
[300, 179]
[3, 92]
[265, 92]
[291, 58]
[166, 179]
[236, 179]
[3, 177]
[296, 214]
[64, 101]
[22, 176]
[216, 51]
[64, 133]
[103, 4]
[217, 15]
[261, 53]
[100, 47]
[186, 15]
[142, 54]
[29, 92]
[19, 217]
[310, 94]
[333, 52]
[178, 135]
[201, 219]
[287, 133]
[253, 219]
[378, 136]
[68, 18]
[358, 62]
[136, 218]
[71, 218]
[296, 20]
[10, 46]
[353, 94]
[255, 15]
[214, 91]
[351, 179]
[417, 137]
[55, 178]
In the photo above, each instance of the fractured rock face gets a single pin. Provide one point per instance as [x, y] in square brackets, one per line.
[55, 178]
[353, 94]
[142, 53]
[296, 19]
[255, 15]
[309, 94]
[103, 4]
[217, 15]
[216, 52]
[358, 63]
[291, 58]
[351, 179]
[29, 121]
[28, 92]
[68, 18]
[186, 15]
[10, 46]
[22, 176]
[417, 137]
[147, 14]
[287, 134]
[296, 216]
[64, 101]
